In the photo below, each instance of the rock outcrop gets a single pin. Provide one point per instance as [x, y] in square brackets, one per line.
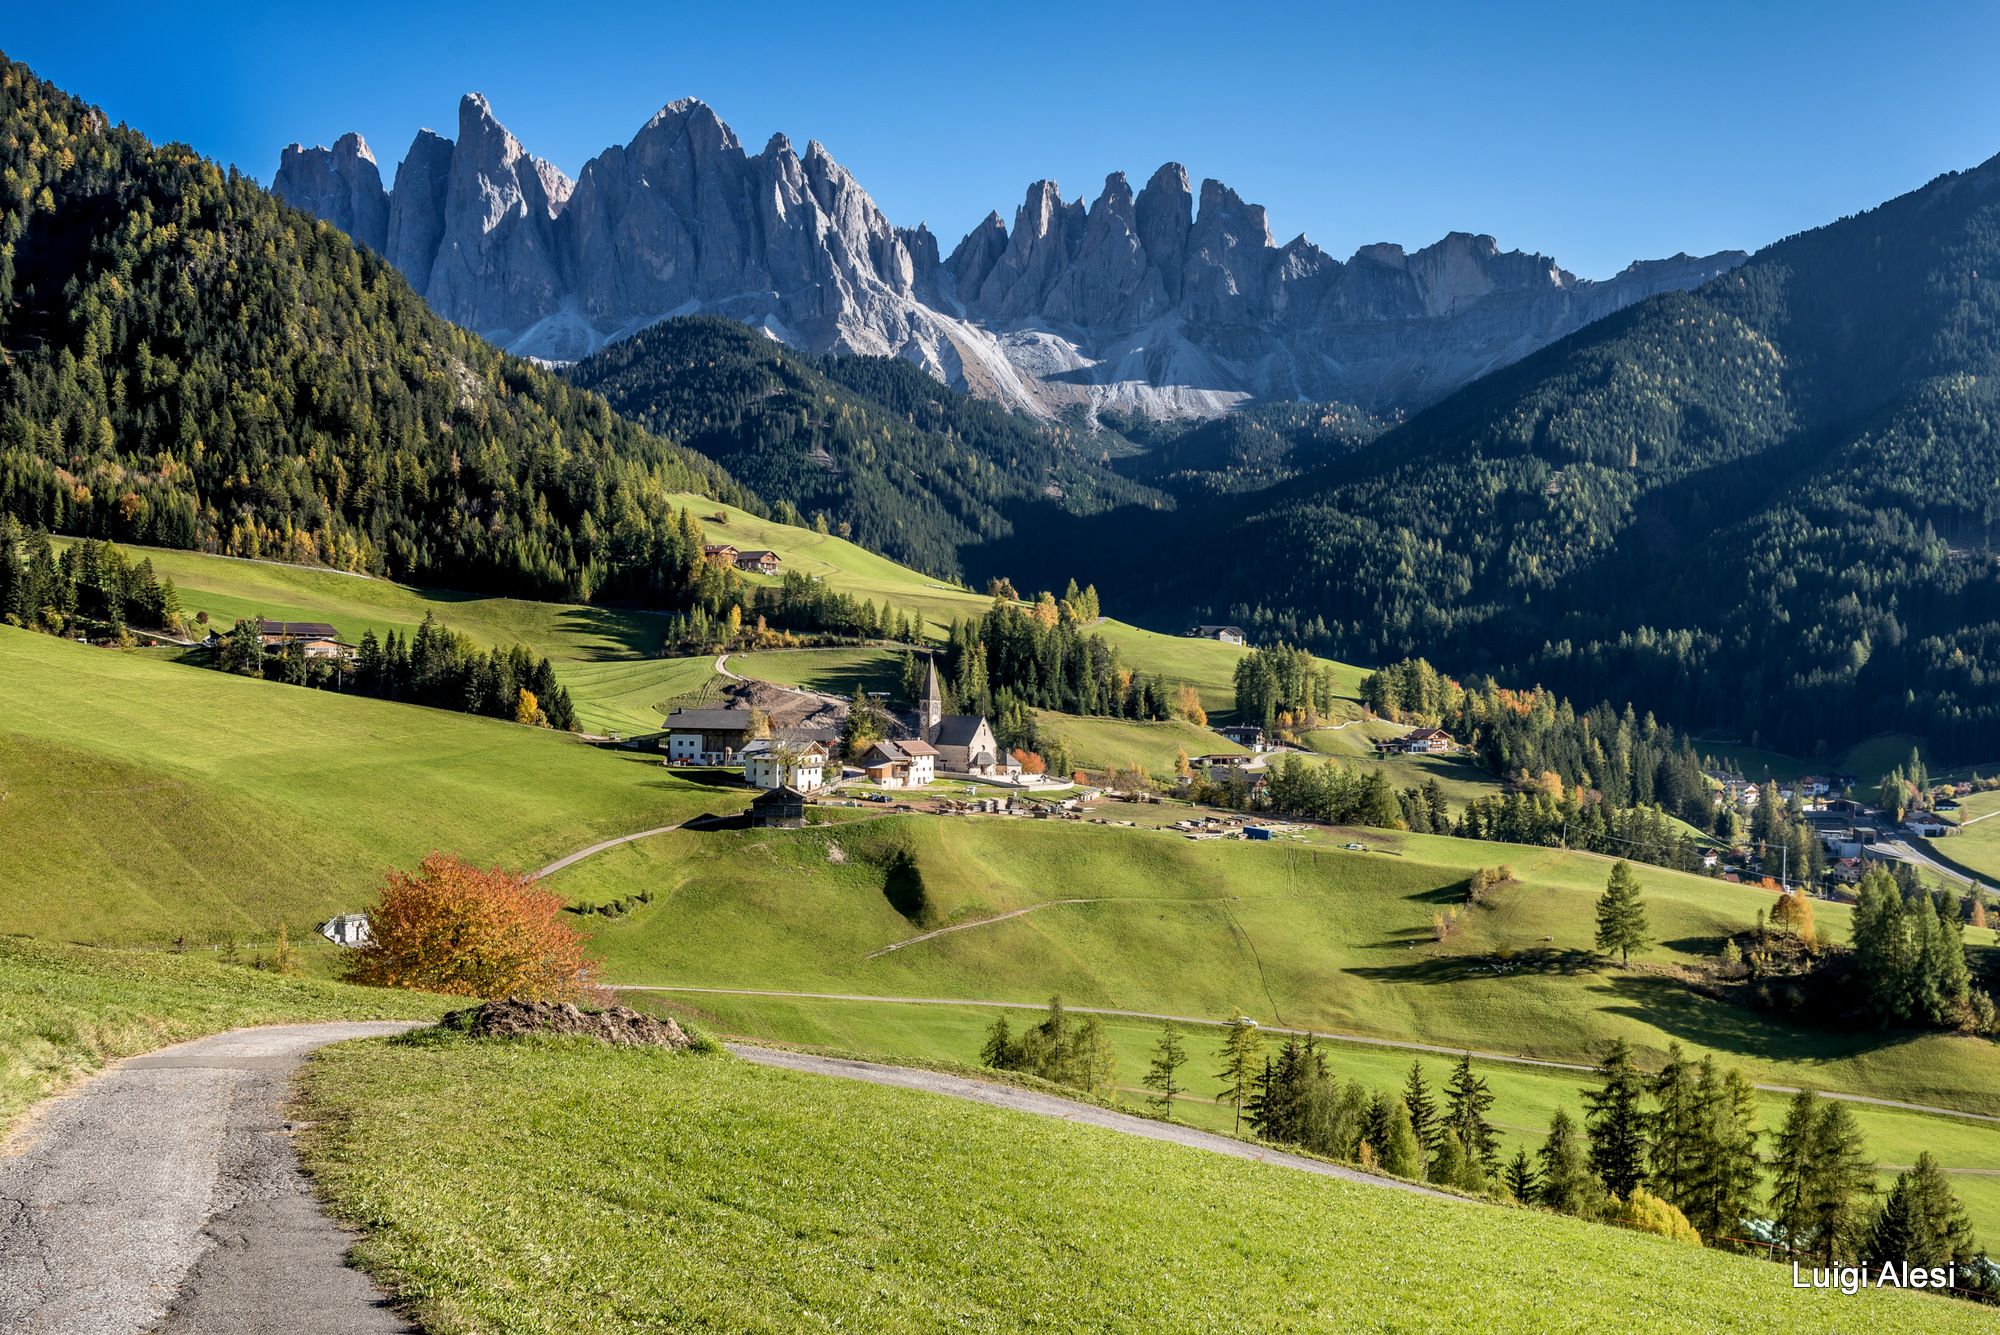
[1168, 302]
[515, 1017]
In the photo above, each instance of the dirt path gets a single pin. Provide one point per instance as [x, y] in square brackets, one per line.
[1047, 1105]
[598, 847]
[1364, 1040]
[164, 1195]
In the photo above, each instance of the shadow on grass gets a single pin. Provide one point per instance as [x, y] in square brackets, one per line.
[1679, 1012]
[1464, 968]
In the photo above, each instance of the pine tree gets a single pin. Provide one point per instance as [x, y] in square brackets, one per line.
[1621, 916]
[999, 1051]
[1568, 1185]
[1423, 1108]
[1844, 1179]
[1397, 1152]
[1467, 1102]
[1616, 1124]
[1242, 1050]
[1521, 1178]
[1163, 1074]
[1941, 1231]
[1677, 1133]
[1725, 1181]
[1792, 1172]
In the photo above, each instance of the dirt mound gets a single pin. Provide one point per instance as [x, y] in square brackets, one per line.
[618, 1025]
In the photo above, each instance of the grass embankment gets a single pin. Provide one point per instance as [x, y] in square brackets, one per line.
[66, 1010]
[536, 1186]
[144, 800]
[1101, 744]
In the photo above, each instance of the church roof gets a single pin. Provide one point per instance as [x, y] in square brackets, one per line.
[931, 689]
[958, 729]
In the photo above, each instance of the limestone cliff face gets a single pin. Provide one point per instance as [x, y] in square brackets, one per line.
[1171, 301]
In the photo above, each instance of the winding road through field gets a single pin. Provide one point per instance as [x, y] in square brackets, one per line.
[164, 1195]
[1334, 1036]
[997, 1095]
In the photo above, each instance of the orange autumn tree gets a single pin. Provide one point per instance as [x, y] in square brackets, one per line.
[462, 930]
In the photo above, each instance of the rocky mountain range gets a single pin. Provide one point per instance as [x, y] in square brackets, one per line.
[1164, 301]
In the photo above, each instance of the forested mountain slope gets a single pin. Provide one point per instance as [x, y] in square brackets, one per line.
[917, 471]
[1766, 506]
[187, 362]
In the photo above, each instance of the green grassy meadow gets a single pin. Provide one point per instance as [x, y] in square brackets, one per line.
[590, 1189]
[1104, 743]
[146, 800]
[1525, 1097]
[1295, 933]
[833, 671]
[66, 1010]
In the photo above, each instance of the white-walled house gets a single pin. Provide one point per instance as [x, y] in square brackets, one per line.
[776, 764]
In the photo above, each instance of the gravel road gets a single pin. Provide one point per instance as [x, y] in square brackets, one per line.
[1048, 1105]
[164, 1195]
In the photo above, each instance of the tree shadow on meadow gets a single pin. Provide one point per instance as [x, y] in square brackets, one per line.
[1434, 969]
[1680, 1012]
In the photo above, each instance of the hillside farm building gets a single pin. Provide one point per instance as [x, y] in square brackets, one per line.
[707, 736]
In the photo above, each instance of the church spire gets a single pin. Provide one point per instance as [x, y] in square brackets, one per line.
[930, 709]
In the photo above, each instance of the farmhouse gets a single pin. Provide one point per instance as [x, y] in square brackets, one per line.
[1220, 761]
[964, 743]
[1244, 734]
[779, 808]
[721, 553]
[906, 763]
[769, 763]
[1225, 634]
[707, 736]
[1926, 825]
[762, 563]
[316, 638]
[1421, 742]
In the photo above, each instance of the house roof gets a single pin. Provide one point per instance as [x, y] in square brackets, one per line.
[916, 746]
[882, 753]
[708, 720]
[1429, 735]
[303, 630]
[785, 795]
[717, 548]
[1214, 630]
[959, 729]
[757, 555]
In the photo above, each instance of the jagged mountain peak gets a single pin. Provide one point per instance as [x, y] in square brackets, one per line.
[1171, 300]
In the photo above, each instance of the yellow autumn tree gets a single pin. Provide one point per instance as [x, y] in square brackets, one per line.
[467, 931]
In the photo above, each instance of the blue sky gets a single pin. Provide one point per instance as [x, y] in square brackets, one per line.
[1596, 133]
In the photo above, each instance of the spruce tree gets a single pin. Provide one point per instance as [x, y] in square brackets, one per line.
[1521, 1178]
[1400, 1153]
[998, 1052]
[1616, 1123]
[1677, 1135]
[1163, 1074]
[1724, 1185]
[1467, 1101]
[1621, 916]
[1423, 1108]
[1844, 1179]
[1792, 1173]
[1567, 1183]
